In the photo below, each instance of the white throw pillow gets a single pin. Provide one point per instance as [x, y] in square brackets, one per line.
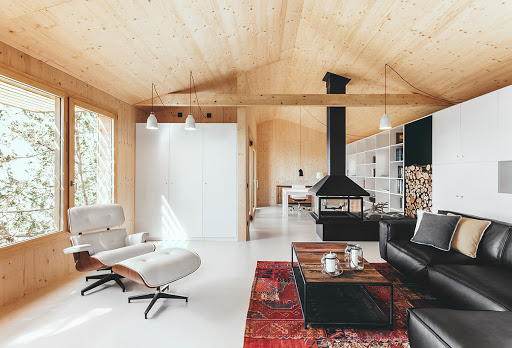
[419, 214]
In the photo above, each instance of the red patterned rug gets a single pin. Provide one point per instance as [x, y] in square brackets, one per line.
[275, 318]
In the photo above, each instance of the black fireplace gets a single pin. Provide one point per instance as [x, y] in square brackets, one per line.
[337, 200]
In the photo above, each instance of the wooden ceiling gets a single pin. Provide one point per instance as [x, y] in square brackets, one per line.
[455, 49]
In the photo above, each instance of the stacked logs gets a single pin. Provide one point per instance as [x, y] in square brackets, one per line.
[418, 189]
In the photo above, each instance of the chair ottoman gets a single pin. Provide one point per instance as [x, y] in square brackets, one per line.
[157, 270]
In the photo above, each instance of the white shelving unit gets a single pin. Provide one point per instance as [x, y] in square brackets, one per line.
[373, 164]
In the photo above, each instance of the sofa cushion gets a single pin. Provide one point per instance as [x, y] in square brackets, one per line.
[412, 259]
[496, 236]
[473, 287]
[437, 327]
[468, 234]
[436, 230]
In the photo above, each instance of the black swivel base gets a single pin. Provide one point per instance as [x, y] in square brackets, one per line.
[103, 278]
[158, 294]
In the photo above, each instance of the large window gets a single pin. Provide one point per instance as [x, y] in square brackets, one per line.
[30, 162]
[93, 158]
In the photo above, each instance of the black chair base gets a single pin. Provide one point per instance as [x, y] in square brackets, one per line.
[155, 296]
[103, 278]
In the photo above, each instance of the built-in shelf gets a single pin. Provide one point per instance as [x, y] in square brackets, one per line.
[372, 164]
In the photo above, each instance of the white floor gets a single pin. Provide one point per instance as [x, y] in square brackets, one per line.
[214, 316]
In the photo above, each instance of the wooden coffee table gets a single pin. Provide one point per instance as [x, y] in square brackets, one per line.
[337, 301]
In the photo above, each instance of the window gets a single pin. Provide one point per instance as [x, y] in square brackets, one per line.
[30, 162]
[93, 169]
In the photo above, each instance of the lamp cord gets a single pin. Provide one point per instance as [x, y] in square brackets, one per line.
[161, 101]
[197, 99]
[396, 72]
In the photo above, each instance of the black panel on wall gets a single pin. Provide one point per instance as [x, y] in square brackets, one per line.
[418, 142]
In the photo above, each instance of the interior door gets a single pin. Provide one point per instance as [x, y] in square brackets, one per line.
[219, 181]
[152, 181]
[479, 129]
[186, 177]
[446, 135]
[91, 155]
[479, 189]
[254, 181]
[446, 187]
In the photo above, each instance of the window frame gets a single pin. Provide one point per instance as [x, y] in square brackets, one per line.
[71, 147]
[66, 99]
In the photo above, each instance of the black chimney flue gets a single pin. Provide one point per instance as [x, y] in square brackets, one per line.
[336, 126]
[336, 182]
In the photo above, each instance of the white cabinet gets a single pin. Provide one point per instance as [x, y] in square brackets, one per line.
[446, 135]
[479, 129]
[446, 187]
[465, 158]
[479, 189]
[186, 182]
[152, 180]
[504, 150]
[219, 181]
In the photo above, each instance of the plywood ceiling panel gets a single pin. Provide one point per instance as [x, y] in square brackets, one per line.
[456, 49]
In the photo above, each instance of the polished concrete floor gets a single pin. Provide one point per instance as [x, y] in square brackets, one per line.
[214, 316]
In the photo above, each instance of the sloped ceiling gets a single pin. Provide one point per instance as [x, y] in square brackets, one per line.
[455, 49]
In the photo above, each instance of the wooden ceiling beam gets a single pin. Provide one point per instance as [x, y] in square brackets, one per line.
[349, 100]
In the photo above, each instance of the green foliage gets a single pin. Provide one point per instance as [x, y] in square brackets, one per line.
[28, 148]
[86, 159]
[30, 170]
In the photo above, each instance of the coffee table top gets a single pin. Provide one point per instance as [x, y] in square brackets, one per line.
[309, 256]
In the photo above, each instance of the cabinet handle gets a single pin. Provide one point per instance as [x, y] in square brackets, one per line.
[461, 196]
[457, 196]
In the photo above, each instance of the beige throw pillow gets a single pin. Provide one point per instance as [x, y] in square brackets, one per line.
[468, 234]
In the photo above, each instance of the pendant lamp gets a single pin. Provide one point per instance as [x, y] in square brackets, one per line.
[152, 122]
[190, 123]
[385, 121]
[301, 173]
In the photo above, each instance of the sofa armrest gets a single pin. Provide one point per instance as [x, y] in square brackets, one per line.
[136, 238]
[394, 230]
[79, 248]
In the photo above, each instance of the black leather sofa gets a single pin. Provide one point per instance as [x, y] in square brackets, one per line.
[477, 291]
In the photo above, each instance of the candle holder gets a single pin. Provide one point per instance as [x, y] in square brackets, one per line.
[331, 265]
[354, 257]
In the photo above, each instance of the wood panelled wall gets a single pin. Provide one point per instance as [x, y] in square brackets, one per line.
[278, 157]
[28, 266]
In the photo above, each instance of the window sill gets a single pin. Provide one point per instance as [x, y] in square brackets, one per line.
[34, 243]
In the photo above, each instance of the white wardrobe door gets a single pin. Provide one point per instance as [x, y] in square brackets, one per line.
[505, 124]
[446, 135]
[479, 129]
[445, 187]
[219, 181]
[151, 179]
[184, 218]
[479, 189]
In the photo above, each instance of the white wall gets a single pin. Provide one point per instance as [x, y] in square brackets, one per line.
[468, 141]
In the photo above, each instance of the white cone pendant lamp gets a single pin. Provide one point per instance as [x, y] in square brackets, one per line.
[152, 122]
[385, 121]
[190, 123]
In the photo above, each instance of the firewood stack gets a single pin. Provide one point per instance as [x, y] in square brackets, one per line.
[418, 189]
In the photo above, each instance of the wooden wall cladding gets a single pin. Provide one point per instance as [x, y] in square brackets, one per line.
[278, 157]
[28, 266]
